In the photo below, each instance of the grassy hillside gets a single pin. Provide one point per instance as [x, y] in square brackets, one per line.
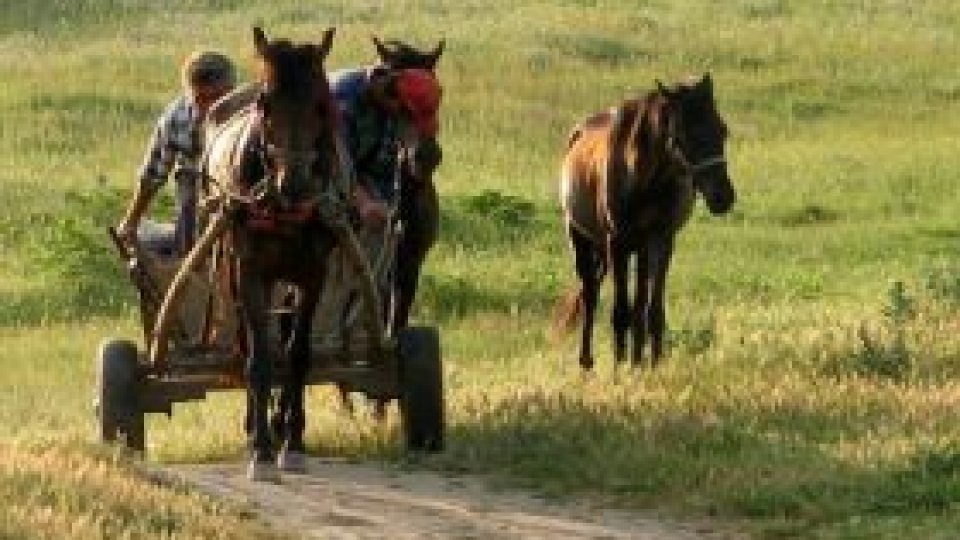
[812, 379]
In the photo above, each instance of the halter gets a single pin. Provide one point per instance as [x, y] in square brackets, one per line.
[680, 156]
[706, 163]
[692, 168]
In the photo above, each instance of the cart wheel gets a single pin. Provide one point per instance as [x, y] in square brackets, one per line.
[117, 400]
[421, 388]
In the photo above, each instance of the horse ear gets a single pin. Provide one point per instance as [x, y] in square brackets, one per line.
[326, 43]
[437, 51]
[664, 90]
[259, 41]
[382, 51]
[707, 83]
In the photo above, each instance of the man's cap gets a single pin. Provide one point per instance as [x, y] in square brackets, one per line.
[419, 92]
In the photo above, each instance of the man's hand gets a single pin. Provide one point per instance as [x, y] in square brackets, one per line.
[372, 211]
[127, 231]
[127, 228]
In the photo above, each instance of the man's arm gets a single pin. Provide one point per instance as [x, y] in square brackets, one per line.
[157, 164]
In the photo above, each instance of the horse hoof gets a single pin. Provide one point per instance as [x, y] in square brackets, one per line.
[346, 407]
[586, 363]
[263, 471]
[292, 461]
[379, 412]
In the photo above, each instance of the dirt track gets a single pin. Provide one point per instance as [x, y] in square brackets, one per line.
[341, 500]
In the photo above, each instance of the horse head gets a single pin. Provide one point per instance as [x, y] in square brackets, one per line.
[396, 54]
[695, 138]
[296, 114]
[421, 153]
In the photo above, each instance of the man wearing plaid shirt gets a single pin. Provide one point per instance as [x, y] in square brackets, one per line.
[176, 145]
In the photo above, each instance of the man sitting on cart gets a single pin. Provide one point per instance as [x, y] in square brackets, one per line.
[176, 146]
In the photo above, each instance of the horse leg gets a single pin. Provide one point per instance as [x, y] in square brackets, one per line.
[278, 421]
[293, 453]
[410, 258]
[253, 293]
[420, 214]
[641, 306]
[409, 262]
[660, 252]
[620, 258]
[589, 272]
[286, 321]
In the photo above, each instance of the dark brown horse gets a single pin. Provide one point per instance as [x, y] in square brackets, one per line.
[419, 204]
[419, 210]
[627, 185]
[276, 160]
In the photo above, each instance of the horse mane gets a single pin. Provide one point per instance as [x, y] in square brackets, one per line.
[638, 131]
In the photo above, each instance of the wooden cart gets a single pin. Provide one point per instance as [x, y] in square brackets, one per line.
[191, 339]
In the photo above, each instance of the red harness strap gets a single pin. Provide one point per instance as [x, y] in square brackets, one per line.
[265, 218]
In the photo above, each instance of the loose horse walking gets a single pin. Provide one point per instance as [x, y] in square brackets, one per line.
[627, 185]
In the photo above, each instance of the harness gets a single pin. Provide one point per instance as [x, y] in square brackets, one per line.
[264, 218]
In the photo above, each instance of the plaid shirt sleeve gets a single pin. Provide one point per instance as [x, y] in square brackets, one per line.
[172, 141]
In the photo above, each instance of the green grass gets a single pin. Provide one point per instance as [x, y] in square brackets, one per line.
[805, 394]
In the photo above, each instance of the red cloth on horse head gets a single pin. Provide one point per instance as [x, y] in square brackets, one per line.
[419, 91]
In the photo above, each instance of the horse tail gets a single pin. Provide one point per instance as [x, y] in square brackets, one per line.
[566, 313]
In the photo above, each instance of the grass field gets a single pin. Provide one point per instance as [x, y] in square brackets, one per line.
[813, 378]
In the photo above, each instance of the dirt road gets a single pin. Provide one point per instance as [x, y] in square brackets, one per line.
[341, 500]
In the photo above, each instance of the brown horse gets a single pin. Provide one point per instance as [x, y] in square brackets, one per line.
[627, 186]
[275, 161]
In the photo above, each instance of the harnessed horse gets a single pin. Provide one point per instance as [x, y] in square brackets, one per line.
[418, 208]
[274, 170]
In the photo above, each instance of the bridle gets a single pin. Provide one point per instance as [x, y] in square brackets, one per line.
[258, 199]
[679, 154]
[268, 154]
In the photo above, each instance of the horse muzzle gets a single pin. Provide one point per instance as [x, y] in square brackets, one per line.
[720, 198]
